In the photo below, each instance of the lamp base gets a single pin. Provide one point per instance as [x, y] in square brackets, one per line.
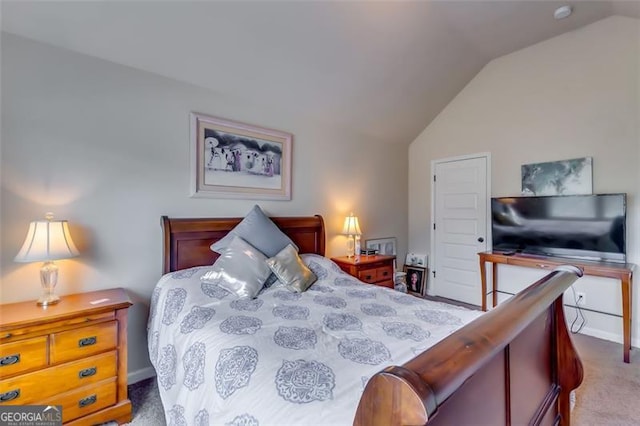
[48, 299]
[350, 246]
[48, 280]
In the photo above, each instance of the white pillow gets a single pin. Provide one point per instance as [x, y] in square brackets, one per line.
[240, 269]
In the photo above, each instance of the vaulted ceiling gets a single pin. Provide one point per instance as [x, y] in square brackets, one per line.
[383, 69]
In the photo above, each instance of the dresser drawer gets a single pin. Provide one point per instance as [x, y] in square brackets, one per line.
[13, 333]
[55, 380]
[386, 283]
[23, 355]
[86, 400]
[368, 275]
[82, 342]
[375, 275]
[385, 273]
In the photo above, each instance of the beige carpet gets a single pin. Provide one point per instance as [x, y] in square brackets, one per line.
[147, 407]
[610, 392]
[608, 396]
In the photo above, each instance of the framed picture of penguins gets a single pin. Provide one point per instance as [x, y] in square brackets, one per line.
[230, 159]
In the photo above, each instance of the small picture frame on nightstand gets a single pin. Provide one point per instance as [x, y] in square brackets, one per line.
[416, 280]
[386, 246]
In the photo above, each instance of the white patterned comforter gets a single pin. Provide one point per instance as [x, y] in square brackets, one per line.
[283, 358]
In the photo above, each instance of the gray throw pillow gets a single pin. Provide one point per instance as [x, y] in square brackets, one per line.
[291, 271]
[240, 269]
[259, 231]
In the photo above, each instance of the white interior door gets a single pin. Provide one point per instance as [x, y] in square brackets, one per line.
[460, 227]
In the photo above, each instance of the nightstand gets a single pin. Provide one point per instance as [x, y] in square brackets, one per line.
[376, 269]
[72, 354]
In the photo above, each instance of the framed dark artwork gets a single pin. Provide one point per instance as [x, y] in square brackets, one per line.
[416, 280]
[236, 160]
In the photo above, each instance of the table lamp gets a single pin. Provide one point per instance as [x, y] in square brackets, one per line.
[351, 228]
[47, 240]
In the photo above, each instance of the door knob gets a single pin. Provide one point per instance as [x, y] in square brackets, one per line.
[481, 240]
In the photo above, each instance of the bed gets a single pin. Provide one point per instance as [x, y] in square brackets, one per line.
[319, 357]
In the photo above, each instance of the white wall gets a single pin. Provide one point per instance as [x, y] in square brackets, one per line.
[575, 95]
[107, 147]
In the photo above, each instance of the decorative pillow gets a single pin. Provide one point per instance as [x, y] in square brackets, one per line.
[259, 231]
[240, 269]
[290, 270]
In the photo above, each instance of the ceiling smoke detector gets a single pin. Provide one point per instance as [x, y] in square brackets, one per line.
[562, 12]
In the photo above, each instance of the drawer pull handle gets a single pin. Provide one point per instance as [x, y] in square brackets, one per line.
[541, 265]
[385, 273]
[87, 341]
[6, 336]
[368, 277]
[9, 360]
[10, 395]
[87, 372]
[87, 401]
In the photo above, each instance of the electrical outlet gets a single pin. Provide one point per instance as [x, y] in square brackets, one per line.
[581, 298]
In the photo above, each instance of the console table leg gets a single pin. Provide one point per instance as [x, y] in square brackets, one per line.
[483, 283]
[626, 316]
[494, 290]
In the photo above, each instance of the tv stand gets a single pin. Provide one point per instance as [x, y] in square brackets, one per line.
[621, 271]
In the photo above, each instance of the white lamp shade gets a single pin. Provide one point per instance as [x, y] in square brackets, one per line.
[47, 240]
[351, 226]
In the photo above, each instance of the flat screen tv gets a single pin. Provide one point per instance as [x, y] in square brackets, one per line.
[589, 227]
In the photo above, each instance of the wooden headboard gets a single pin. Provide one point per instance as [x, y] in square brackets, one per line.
[186, 241]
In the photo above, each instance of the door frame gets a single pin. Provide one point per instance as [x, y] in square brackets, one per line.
[434, 163]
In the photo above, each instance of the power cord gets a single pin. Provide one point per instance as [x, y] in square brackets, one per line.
[578, 313]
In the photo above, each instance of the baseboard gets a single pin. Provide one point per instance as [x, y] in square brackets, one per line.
[140, 375]
[612, 337]
[599, 333]
[594, 332]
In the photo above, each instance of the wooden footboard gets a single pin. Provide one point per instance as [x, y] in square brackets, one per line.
[514, 365]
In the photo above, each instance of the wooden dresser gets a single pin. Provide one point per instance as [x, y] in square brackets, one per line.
[72, 354]
[377, 269]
